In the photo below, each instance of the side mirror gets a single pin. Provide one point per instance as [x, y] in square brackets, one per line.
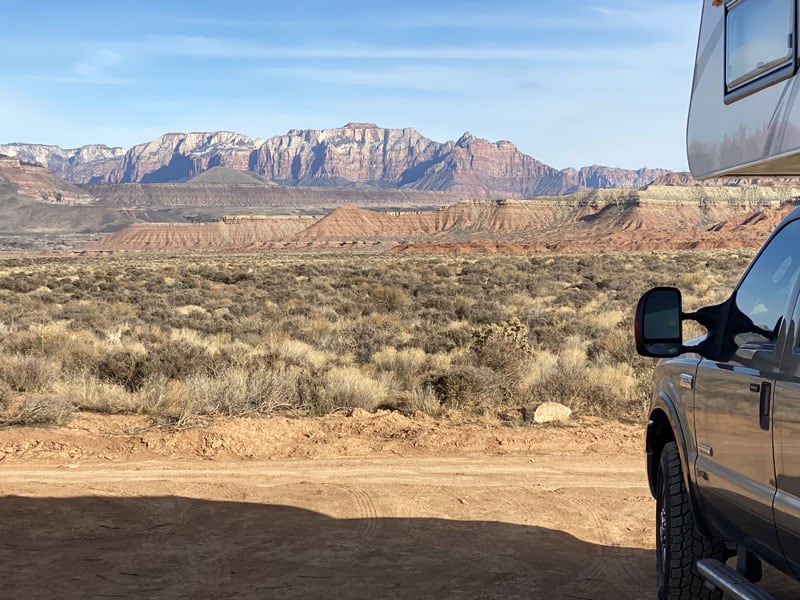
[657, 326]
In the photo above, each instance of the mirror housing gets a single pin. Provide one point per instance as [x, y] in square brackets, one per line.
[657, 325]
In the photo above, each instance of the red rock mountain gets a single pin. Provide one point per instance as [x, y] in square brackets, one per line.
[599, 177]
[356, 155]
[87, 164]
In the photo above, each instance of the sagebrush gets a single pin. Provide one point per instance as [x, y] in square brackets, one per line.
[185, 336]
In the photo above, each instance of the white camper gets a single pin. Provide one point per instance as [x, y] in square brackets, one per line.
[744, 117]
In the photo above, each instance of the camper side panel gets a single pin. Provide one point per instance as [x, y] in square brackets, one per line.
[750, 128]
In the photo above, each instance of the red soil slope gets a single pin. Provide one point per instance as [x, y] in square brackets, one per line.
[668, 218]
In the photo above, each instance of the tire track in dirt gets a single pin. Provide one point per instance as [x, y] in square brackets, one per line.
[608, 568]
[366, 519]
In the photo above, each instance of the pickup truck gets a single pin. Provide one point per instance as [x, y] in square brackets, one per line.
[723, 430]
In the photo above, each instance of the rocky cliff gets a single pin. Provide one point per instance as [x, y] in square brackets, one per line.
[684, 179]
[86, 164]
[34, 181]
[356, 155]
[179, 156]
[600, 177]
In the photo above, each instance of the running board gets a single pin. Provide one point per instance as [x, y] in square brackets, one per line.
[729, 581]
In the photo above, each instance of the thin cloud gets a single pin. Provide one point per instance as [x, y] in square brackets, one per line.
[75, 80]
[209, 47]
[419, 77]
[596, 18]
[94, 68]
[260, 23]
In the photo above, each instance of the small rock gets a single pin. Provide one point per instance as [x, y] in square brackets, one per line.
[552, 412]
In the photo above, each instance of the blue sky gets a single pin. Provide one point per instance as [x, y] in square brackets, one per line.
[570, 82]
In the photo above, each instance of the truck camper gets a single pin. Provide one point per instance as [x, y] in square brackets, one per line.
[744, 116]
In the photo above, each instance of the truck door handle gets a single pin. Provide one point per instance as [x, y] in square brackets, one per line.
[764, 405]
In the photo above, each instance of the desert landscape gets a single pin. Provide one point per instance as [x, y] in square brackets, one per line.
[282, 424]
[245, 368]
[335, 300]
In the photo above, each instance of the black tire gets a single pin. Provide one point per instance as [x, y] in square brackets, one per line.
[679, 544]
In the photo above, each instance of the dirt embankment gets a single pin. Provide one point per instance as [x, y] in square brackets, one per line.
[365, 506]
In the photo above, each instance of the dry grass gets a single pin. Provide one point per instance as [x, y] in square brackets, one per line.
[183, 338]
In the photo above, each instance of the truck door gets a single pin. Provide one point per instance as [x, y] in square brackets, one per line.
[786, 427]
[735, 468]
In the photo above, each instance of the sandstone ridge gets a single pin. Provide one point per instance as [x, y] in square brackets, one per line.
[357, 155]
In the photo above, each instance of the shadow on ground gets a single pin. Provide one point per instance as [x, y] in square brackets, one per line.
[174, 547]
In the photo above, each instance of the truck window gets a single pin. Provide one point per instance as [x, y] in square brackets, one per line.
[759, 40]
[764, 293]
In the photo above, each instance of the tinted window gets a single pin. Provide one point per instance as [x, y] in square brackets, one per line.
[764, 293]
[758, 39]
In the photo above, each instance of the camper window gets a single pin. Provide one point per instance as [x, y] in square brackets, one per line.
[759, 44]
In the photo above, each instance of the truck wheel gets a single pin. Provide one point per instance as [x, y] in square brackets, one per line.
[679, 544]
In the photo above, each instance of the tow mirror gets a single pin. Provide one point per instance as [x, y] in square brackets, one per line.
[657, 326]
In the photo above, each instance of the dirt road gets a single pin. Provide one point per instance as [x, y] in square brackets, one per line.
[560, 516]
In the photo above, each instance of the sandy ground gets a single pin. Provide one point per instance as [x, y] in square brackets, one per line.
[366, 506]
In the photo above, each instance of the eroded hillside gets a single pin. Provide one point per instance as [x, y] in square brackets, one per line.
[34, 181]
[658, 217]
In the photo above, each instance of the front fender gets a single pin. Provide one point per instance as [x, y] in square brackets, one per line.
[671, 418]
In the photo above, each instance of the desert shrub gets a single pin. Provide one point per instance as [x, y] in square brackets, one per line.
[237, 392]
[559, 377]
[190, 336]
[349, 387]
[611, 391]
[444, 339]
[125, 367]
[616, 345]
[6, 395]
[20, 283]
[84, 314]
[312, 397]
[178, 359]
[28, 373]
[74, 350]
[297, 353]
[370, 333]
[574, 296]
[597, 388]
[388, 298]
[423, 400]
[38, 410]
[169, 401]
[406, 365]
[90, 394]
[503, 347]
[229, 278]
[464, 386]
[172, 359]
